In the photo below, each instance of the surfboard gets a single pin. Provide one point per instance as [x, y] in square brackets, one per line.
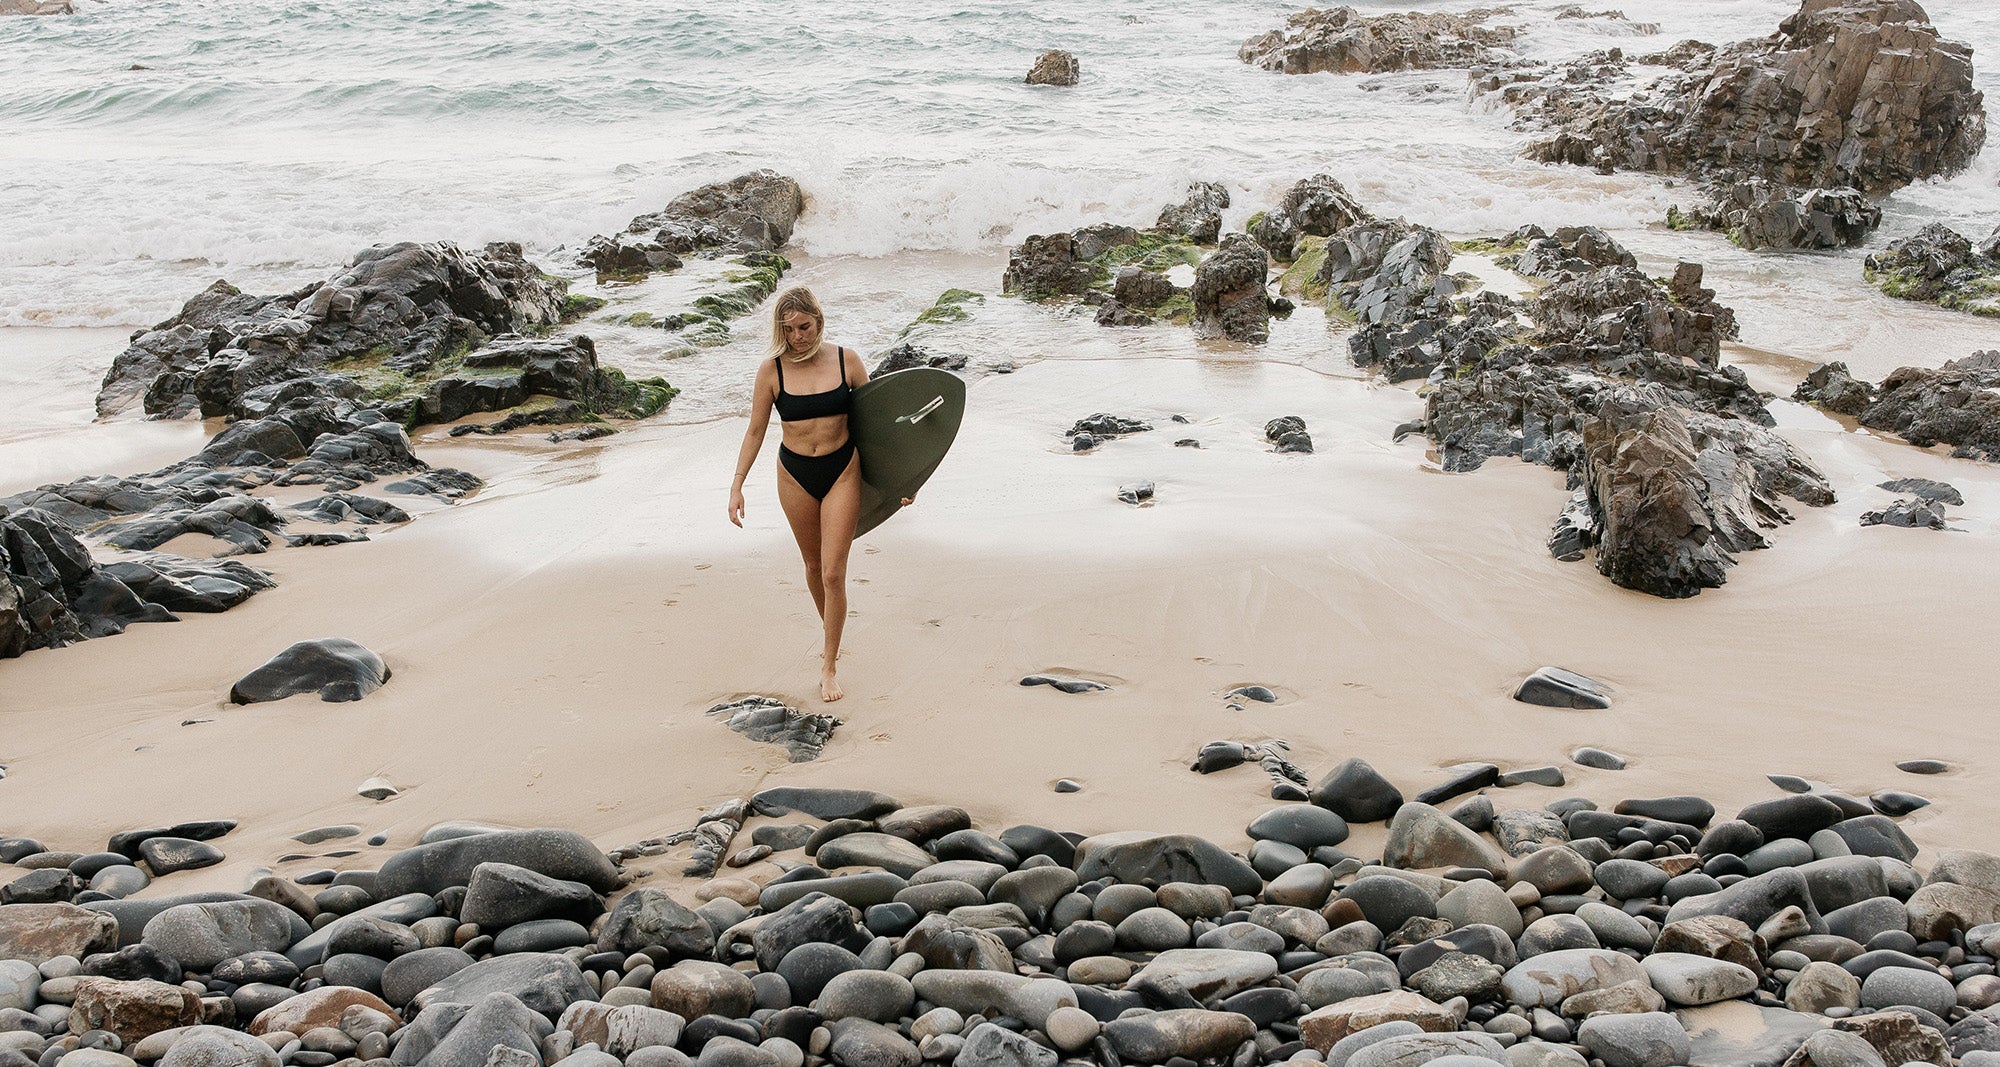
[902, 424]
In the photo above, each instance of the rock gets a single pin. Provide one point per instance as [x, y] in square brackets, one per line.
[1055, 67]
[38, 933]
[750, 213]
[1523, 831]
[945, 943]
[131, 1010]
[315, 1008]
[1325, 1026]
[876, 995]
[860, 1043]
[1943, 493]
[648, 916]
[1940, 266]
[1186, 1032]
[1832, 1048]
[621, 1031]
[694, 988]
[1207, 974]
[1138, 858]
[1344, 41]
[1940, 909]
[217, 1046]
[1421, 836]
[1762, 214]
[1650, 1039]
[546, 983]
[1553, 869]
[1625, 879]
[988, 1045]
[1597, 758]
[1072, 1029]
[203, 935]
[1912, 514]
[1356, 792]
[994, 993]
[413, 972]
[1557, 688]
[1462, 1048]
[1465, 778]
[1689, 980]
[1545, 981]
[1228, 293]
[1753, 900]
[1896, 986]
[1820, 986]
[433, 867]
[1741, 1033]
[494, 1028]
[1833, 388]
[893, 854]
[1717, 937]
[1389, 901]
[1198, 218]
[1044, 266]
[335, 668]
[1899, 1037]
[1458, 974]
[1302, 825]
[1952, 404]
[823, 803]
[499, 895]
[1865, 95]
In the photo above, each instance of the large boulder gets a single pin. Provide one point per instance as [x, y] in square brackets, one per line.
[752, 212]
[1861, 93]
[543, 981]
[434, 867]
[1141, 858]
[38, 933]
[131, 1010]
[203, 935]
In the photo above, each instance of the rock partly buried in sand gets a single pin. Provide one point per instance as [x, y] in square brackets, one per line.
[1343, 41]
[1054, 67]
[1861, 93]
[54, 593]
[1554, 687]
[1915, 514]
[1229, 291]
[1957, 404]
[761, 718]
[752, 212]
[1137, 493]
[1064, 684]
[1763, 214]
[1288, 782]
[1939, 265]
[336, 668]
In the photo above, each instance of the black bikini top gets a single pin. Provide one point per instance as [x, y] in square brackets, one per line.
[793, 407]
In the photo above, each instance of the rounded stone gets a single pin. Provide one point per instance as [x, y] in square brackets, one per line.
[693, 988]
[1896, 986]
[541, 935]
[1302, 826]
[413, 972]
[809, 967]
[1153, 930]
[859, 994]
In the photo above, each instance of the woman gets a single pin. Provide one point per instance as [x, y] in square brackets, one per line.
[810, 382]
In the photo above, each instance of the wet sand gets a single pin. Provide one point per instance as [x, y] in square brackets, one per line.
[557, 639]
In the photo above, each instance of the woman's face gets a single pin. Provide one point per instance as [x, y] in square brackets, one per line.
[801, 331]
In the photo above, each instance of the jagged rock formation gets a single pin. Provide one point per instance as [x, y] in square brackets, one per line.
[1229, 291]
[1343, 41]
[1199, 217]
[1938, 265]
[753, 212]
[1860, 93]
[1957, 404]
[1762, 214]
[1318, 206]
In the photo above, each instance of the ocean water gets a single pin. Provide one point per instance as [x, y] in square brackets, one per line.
[147, 148]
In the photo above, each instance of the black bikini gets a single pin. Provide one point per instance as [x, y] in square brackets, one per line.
[815, 474]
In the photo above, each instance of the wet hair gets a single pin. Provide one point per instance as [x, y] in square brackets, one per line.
[797, 298]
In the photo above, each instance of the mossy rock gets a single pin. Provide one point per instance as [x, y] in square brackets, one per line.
[641, 320]
[1487, 246]
[949, 307]
[574, 307]
[1177, 309]
[1152, 251]
[1301, 279]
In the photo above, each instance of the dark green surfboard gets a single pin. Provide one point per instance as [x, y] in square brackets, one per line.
[902, 424]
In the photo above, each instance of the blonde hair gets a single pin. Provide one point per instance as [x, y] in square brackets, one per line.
[797, 298]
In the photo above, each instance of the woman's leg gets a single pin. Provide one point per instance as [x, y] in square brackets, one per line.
[803, 512]
[838, 514]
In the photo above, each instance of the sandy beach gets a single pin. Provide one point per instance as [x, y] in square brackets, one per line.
[556, 639]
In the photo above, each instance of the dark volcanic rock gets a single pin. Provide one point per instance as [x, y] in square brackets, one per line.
[1831, 387]
[759, 718]
[434, 867]
[1554, 687]
[1161, 858]
[1956, 404]
[1917, 514]
[1198, 218]
[753, 212]
[337, 669]
[1228, 293]
[1046, 265]
[1356, 792]
[1762, 214]
[1937, 265]
[1861, 93]
[1318, 206]
[1344, 41]
[823, 803]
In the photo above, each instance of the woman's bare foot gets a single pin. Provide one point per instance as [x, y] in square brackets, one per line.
[829, 690]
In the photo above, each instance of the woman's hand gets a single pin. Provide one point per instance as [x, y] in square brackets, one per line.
[908, 500]
[736, 504]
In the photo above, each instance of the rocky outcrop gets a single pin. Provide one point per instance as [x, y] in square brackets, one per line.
[1344, 41]
[1197, 218]
[1054, 67]
[36, 7]
[1763, 214]
[753, 212]
[1389, 276]
[1860, 93]
[1938, 265]
[1229, 291]
[53, 593]
[1831, 387]
[1044, 266]
[1318, 206]
[1957, 404]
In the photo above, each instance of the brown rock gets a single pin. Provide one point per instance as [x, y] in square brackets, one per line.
[316, 1008]
[1055, 67]
[1344, 41]
[132, 1010]
[1718, 937]
[1329, 1024]
[1941, 908]
[1899, 1037]
[1625, 998]
[41, 932]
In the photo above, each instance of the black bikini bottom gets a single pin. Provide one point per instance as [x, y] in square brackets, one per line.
[816, 474]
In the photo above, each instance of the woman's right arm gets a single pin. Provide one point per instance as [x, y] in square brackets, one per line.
[762, 394]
